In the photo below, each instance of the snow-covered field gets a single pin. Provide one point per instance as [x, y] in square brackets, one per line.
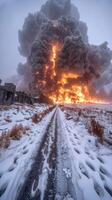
[16, 114]
[91, 168]
[16, 160]
[59, 157]
[102, 106]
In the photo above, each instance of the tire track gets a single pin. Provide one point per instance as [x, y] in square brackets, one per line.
[40, 181]
[65, 188]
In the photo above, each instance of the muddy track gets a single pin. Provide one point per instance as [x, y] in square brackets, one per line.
[40, 183]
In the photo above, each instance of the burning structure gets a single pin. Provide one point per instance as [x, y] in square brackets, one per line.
[61, 64]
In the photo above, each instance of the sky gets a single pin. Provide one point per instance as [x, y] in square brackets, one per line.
[96, 13]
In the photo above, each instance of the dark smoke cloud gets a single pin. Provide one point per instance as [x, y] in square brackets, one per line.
[60, 21]
[30, 31]
[54, 9]
[25, 72]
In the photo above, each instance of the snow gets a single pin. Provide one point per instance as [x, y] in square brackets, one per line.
[43, 177]
[17, 159]
[90, 164]
[18, 114]
[101, 106]
[67, 172]
[83, 164]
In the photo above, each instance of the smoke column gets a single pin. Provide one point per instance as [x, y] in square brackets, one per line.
[59, 21]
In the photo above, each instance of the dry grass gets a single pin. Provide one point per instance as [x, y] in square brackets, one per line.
[4, 140]
[37, 118]
[16, 131]
[97, 130]
[14, 134]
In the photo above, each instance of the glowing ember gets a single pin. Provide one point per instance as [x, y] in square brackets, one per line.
[63, 86]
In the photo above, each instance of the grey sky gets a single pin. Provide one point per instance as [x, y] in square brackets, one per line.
[96, 13]
[98, 16]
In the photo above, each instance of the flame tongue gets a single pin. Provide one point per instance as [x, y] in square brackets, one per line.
[63, 86]
[53, 60]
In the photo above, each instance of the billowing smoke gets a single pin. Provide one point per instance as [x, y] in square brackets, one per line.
[59, 21]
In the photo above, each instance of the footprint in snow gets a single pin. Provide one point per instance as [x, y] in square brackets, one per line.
[11, 168]
[79, 143]
[25, 152]
[104, 171]
[100, 159]
[87, 151]
[67, 197]
[3, 189]
[71, 140]
[31, 142]
[15, 160]
[90, 156]
[108, 189]
[19, 150]
[102, 176]
[99, 190]
[1, 174]
[76, 138]
[83, 170]
[24, 147]
[14, 164]
[77, 151]
[74, 144]
[90, 165]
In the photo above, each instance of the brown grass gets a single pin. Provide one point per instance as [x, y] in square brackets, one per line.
[4, 140]
[36, 118]
[16, 131]
[97, 129]
[14, 134]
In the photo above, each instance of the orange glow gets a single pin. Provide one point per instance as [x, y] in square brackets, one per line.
[76, 93]
[67, 75]
[45, 71]
[64, 86]
[53, 59]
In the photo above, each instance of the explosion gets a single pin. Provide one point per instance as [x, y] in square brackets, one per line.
[64, 89]
[61, 64]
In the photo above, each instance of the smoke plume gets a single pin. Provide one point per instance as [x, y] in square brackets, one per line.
[59, 21]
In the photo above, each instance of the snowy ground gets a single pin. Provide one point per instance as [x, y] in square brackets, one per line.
[58, 158]
[91, 167]
[16, 114]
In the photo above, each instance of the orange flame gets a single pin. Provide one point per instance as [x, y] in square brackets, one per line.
[53, 60]
[67, 88]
